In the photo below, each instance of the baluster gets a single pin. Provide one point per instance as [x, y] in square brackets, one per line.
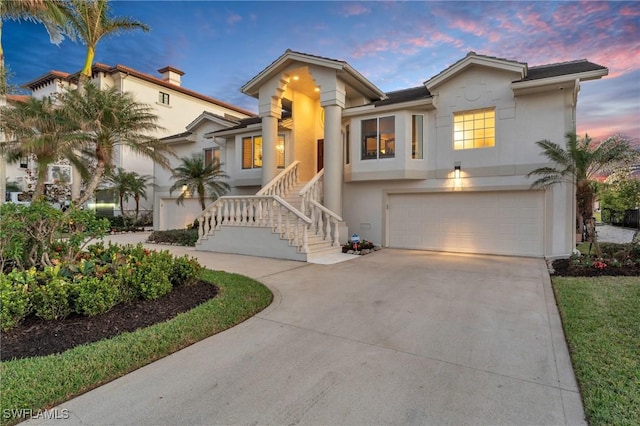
[327, 234]
[320, 226]
[336, 234]
[258, 213]
[201, 229]
[245, 212]
[305, 239]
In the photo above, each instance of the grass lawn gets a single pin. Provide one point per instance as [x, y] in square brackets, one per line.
[38, 383]
[601, 320]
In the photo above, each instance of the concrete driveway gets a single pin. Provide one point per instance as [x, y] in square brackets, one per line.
[394, 337]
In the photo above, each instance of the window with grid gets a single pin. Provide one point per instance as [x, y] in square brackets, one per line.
[474, 129]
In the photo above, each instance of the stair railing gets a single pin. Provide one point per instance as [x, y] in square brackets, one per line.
[324, 222]
[265, 211]
[282, 184]
[312, 191]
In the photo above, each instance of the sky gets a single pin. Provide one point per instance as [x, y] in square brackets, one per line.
[222, 45]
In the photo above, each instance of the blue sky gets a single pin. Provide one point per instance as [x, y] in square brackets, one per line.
[222, 45]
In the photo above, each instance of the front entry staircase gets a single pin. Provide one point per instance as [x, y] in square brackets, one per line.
[285, 219]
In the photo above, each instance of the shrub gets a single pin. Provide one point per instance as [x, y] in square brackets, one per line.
[14, 297]
[184, 271]
[182, 237]
[151, 278]
[52, 300]
[96, 295]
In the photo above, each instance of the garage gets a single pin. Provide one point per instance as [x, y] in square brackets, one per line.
[501, 222]
[177, 216]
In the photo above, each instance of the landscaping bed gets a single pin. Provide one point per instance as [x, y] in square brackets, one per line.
[38, 337]
[617, 260]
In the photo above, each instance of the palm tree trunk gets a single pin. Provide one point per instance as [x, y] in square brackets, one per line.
[93, 183]
[39, 189]
[137, 199]
[85, 74]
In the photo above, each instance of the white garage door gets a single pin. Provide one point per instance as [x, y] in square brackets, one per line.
[506, 222]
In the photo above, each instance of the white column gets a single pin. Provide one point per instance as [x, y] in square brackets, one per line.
[333, 168]
[269, 141]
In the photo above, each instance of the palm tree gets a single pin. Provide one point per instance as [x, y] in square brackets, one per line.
[39, 128]
[90, 20]
[196, 178]
[579, 164]
[52, 13]
[109, 119]
[128, 184]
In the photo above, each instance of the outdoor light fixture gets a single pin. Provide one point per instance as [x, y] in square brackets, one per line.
[456, 170]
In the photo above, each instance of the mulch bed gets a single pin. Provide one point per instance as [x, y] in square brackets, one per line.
[36, 337]
[564, 268]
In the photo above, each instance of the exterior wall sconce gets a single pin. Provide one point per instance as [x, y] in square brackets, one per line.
[456, 170]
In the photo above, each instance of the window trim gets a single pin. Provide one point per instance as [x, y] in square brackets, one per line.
[164, 96]
[215, 153]
[417, 154]
[252, 159]
[473, 137]
[364, 137]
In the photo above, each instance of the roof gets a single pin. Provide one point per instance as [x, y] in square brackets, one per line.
[176, 136]
[472, 58]
[562, 68]
[246, 122]
[99, 67]
[404, 95]
[18, 98]
[346, 72]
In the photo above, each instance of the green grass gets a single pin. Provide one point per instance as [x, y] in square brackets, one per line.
[41, 382]
[601, 320]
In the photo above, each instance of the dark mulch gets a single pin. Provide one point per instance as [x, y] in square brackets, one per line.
[36, 337]
[565, 268]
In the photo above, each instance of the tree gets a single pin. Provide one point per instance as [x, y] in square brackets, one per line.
[90, 20]
[52, 13]
[578, 164]
[198, 178]
[128, 184]
[109, 119]
[40, 128]
[621, 191]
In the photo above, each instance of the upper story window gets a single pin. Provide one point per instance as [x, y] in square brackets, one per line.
[378, 138]
[252, 152]
[163, 98]
[211, 155]
[474, 129]
[417, 131]
[24, 162]
[347, 146]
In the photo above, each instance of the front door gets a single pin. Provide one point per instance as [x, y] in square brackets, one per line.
[320, 156]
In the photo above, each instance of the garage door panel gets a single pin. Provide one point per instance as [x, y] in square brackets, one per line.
[508, 222]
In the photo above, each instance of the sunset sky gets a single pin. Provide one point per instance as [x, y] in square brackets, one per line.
[222, 45]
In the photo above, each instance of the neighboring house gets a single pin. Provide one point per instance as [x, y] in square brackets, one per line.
[174, 105]
[441, 166]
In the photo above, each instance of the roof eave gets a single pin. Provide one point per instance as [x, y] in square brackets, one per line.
[521, 87]
[365, 109]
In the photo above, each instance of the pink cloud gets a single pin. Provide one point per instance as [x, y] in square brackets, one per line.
[371, 47]
[233, 18]
[355, 9]
[630, 11]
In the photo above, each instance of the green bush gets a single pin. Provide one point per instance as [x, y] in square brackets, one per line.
[182, 237]
[151, 279]
[14, 297]
[184, 271]
[95, 296]
[51, 300]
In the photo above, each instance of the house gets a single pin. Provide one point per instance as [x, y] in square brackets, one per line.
[441, 166]
[174, 105]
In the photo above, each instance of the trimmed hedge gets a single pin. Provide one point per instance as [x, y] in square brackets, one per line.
[181, 237]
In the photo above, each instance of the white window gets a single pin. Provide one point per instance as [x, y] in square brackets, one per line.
[474, 129]
[252, 152]
[378, 138]
[211, 155]
[417, 130]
